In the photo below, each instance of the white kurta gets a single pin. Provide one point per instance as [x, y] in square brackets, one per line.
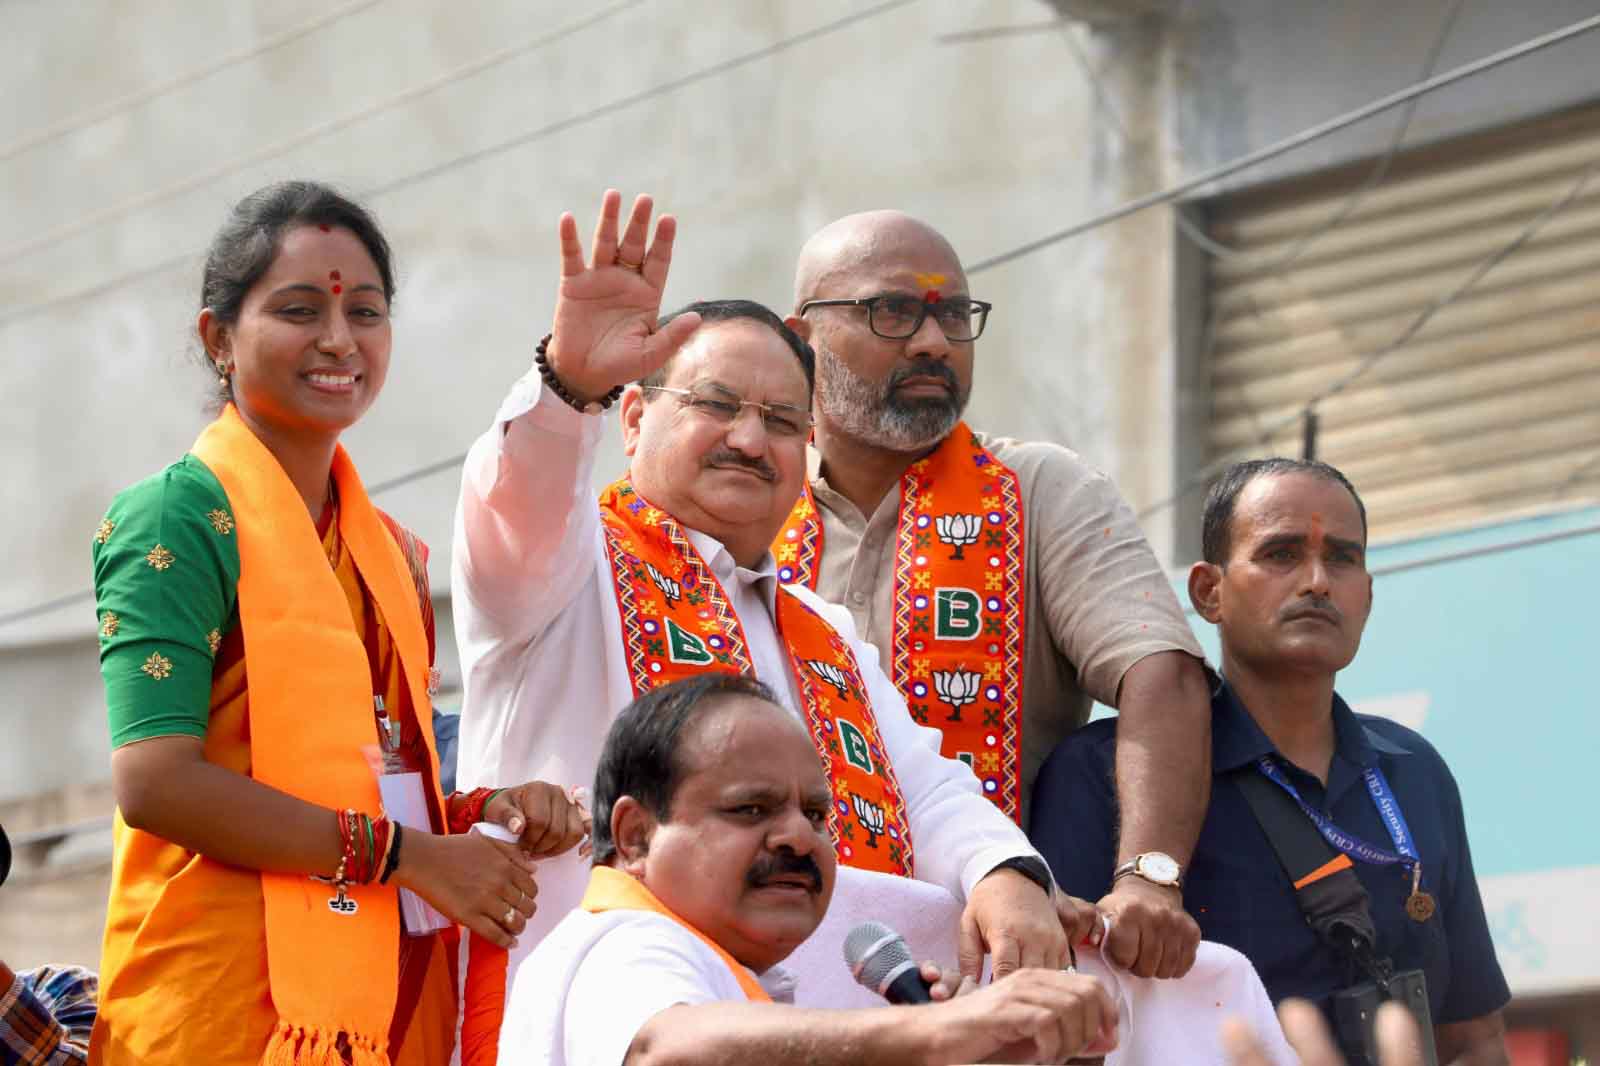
[590, 986]
[540, 636]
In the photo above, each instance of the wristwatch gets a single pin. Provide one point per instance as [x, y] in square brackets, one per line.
[1157, 867]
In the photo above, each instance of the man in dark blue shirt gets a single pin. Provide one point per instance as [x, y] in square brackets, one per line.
[1284, 579]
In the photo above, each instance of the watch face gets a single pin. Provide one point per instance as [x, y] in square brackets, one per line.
[1158, 867]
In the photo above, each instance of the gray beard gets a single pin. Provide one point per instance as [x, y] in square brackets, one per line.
[873, 415]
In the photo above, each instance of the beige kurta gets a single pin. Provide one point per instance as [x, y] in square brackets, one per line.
[1097, 600]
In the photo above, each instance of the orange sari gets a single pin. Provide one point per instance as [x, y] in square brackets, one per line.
[187, 974]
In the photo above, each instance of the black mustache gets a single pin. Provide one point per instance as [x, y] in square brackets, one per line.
[770, 867]
[729, 457]
[1307, 608]
[923, 368]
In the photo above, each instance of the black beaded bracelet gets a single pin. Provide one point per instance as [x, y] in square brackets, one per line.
[393, 861]
[547, 372]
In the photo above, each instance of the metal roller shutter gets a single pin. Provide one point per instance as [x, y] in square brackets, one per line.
[1493, 407]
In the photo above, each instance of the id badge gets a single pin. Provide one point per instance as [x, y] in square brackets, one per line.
[405, 801]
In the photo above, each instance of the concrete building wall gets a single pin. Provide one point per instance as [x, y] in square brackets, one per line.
[103, 387]
[977, 116]
[1188, 86]
[102, 226]
[1251, 72]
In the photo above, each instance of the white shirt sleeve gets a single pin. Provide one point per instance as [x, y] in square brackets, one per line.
[628, 977]
[526, 521]
[957, 836]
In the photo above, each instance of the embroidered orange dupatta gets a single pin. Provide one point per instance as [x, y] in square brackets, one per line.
[676, 622]
[958, 603]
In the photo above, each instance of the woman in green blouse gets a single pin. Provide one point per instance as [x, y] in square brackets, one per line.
[266, 645]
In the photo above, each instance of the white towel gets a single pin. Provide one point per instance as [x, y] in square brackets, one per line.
[1160, 1023]
[926, 915]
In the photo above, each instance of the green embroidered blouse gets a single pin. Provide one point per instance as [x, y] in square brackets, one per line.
[166, 578]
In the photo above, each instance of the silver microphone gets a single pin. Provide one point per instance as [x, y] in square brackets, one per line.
[879, 960]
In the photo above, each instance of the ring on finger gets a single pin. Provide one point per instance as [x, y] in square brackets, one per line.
[511, 915]
[637, 268]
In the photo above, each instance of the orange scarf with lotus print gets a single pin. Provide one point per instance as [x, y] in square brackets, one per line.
[958, 604]
[676, 622]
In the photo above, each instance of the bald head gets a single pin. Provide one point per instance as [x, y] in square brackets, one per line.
[867, 242]
[878, 385]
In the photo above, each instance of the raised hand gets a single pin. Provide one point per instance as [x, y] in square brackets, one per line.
[605, 320]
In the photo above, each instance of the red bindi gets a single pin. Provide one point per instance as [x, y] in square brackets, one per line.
[333, 275]
[337, 289]
[931, 296]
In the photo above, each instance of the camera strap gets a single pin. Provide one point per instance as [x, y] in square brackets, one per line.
[1330, 895]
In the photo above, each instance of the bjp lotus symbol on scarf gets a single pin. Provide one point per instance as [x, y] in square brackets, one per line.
[669, 588]
[832, 675]
[870, 816]
[957, 688]
[958, 530]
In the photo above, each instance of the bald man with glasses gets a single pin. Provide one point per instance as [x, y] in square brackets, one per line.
[1004, 583]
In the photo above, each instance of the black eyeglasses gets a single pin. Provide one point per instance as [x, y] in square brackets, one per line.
[723, 407]
[896, 316]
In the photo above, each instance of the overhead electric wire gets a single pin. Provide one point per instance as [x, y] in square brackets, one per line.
[46, 607]
[733, 63]
[1577, 475]
[471, 157]
[1261, 155]
[477, 155]
[1120, 128]
[989, 33]
[1289, 144]
[454, 462]
[1374, 178]
[1211, 469]
[1194, 481]
[107, 110]
[190, 182]
[1477, 552]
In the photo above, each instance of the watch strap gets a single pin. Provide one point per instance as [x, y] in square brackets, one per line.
[1033, 868]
